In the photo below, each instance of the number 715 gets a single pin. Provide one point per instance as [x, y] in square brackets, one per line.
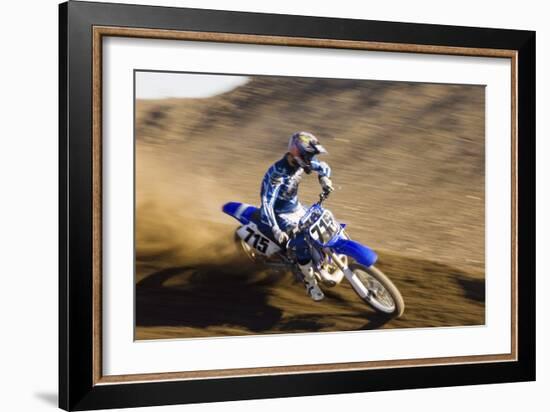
[259, 242]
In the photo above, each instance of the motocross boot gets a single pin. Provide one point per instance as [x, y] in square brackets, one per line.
[310, 282]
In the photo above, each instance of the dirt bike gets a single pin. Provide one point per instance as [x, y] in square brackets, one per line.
[331, 249]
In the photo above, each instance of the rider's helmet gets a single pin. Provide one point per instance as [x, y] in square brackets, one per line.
[303, 146]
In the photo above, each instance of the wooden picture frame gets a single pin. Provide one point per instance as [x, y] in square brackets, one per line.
[83, 26]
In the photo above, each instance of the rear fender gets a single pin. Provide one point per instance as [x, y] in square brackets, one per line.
[241, 211]
[361, 253]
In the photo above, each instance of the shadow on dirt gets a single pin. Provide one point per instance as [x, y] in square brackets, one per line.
[310, 323]
[207, 295]
[236, 297]
[474, 289]
[375, 320]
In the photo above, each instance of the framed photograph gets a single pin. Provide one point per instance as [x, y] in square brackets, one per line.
[258, 206]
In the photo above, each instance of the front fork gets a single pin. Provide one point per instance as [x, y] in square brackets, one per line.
[350, 276]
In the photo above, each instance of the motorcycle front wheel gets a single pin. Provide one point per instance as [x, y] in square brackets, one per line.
[383, 295]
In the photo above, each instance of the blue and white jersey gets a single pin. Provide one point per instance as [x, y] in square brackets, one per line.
[279, 192]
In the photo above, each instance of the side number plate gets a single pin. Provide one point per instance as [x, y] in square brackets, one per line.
[251, 235]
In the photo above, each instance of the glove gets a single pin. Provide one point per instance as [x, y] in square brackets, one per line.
[280, 236]
[326, 184]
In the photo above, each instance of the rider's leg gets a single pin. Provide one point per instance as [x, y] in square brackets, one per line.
[305, 264]
[286, 222]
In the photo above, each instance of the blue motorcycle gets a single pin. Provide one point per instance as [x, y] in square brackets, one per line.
[335, 256]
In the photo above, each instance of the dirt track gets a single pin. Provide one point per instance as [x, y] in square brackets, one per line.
[235, 298]
[407, 161]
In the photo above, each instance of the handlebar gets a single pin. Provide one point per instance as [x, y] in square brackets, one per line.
[323, 196]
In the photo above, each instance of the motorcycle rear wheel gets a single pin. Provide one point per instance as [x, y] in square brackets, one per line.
[248, 250]
[383, 295]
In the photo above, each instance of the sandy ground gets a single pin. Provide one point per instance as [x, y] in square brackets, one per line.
[234, 298]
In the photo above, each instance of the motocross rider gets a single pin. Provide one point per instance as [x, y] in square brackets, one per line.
[281, 210]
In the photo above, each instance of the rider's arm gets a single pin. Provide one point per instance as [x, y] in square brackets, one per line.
[321, 168]
[323, 171]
